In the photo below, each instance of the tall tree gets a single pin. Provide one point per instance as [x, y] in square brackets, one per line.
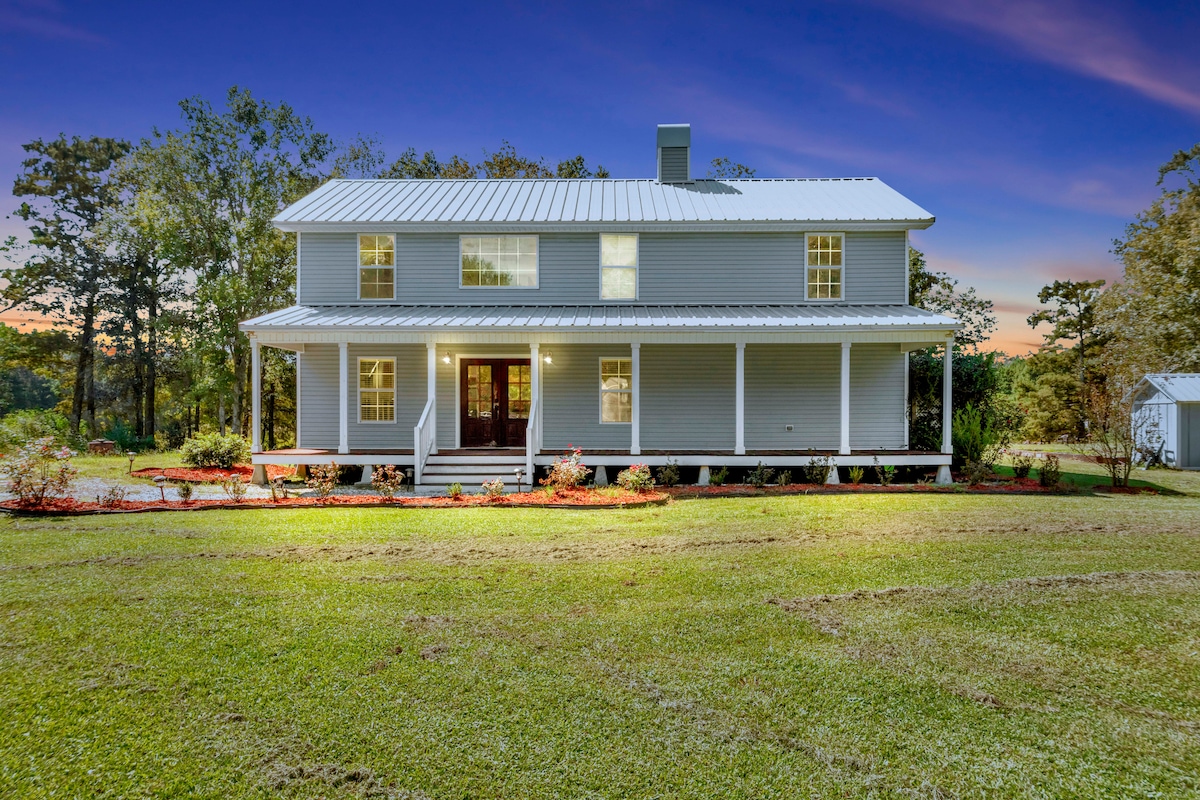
[938, 292]
[70, 189]
[723, 168]
[1072, 318]
[222, 178]
[1153, 314]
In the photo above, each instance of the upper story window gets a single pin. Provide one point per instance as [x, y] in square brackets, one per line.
[377, 390]
[376, 267]
[825, 266]
[618, 266]
[500, 261]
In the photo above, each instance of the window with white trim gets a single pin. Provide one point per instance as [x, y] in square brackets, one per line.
[377, 390]
[618, 266]
[499, 261]
[616, 390]
[824, 266]
[376, 267]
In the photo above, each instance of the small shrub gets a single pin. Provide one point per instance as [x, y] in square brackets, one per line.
[114, 496]
[39, 471]
[1050, 474]
[817, 469]
[717, 477]
[760, 476]
[636, 479]
[455, 491]
[387, 480]
[234, 488]
[127, 440]
[567, 472]
[215, 450]
[323, 478]
[668, 474]
[856, 474]
[493, 488]
[1022, 465]
[784, 478]
[977, 472]
[184, 490]
[885, 473]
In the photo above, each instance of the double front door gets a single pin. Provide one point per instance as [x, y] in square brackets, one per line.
[494, 394]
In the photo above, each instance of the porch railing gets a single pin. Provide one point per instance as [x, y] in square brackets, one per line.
[533, 442]
[422, 441]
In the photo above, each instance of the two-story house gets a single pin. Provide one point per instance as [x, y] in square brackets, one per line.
[469, 327]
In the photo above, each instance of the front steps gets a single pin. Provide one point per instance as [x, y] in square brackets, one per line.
[472, 469]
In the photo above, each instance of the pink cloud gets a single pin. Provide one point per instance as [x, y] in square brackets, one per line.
[1076, 39]
[39, 18]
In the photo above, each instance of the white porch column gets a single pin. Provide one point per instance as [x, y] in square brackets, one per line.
[943, 473]
[256, 399]
[343, 397]
[635, 384]
[532, 440]
[431, 389]
[739, 437]
[844, 446]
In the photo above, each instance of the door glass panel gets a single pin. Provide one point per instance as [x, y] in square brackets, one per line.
[520, 391]
[479, 391]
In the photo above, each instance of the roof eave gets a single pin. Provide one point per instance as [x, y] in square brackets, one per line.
[730, 226]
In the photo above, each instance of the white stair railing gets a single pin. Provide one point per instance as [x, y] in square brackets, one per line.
[533, 443]
[422, 441]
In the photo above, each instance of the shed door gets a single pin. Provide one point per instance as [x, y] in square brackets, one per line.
[1189, 434]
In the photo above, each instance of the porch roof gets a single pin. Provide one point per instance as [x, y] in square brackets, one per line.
[608, 318]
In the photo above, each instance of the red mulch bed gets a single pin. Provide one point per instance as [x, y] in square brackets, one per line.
[211, 474]
[570, 499]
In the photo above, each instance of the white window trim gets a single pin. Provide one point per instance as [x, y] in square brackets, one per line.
[637, 268]
[358, 277]
[602, 391]
[358, 383]
[537, 283]
[807, 298]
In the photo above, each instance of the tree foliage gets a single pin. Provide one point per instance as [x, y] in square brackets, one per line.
[723, 168]
[938, 292]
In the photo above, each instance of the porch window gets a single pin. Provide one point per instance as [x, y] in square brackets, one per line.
[500, 261]
[616, 390]
[824, 266]
[618, 266]
[376, 267]
[377, 390]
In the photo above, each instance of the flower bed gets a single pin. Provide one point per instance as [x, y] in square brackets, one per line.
[211, 474]
[580, 498]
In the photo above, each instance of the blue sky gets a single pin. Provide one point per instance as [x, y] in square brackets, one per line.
[1033, 130]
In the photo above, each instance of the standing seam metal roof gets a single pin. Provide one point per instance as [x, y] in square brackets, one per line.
[1182, 387]
[599, 201]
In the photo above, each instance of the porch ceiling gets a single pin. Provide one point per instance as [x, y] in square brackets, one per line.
[601, 323]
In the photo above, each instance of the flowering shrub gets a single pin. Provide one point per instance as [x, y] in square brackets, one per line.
[215, 450]
[113, 497]
[636, 479]
[493, 488]
[387, 480]
[323, 478]
[567, 472]
[39, 471]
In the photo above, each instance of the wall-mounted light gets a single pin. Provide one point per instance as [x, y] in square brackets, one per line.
[548, 358]
[445, 358]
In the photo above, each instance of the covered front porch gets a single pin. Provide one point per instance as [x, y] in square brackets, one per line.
[725, 386]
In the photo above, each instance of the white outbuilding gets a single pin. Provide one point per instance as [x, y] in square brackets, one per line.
[1166, 410]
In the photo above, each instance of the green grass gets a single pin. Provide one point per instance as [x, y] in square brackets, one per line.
[116, 468]
[534, 653]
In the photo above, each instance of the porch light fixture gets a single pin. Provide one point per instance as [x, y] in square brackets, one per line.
[445, 358]
[548, 358]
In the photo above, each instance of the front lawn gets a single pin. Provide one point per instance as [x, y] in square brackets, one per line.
[1039, 646]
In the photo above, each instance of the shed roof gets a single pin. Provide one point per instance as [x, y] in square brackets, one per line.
[342, 204]
[1182, 387]
[594, 317]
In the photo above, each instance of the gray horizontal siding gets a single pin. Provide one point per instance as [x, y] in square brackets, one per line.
[319, 396]
[688, 397]
[877, 397]
[797, 385]
[673, 268]
[571, 399]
